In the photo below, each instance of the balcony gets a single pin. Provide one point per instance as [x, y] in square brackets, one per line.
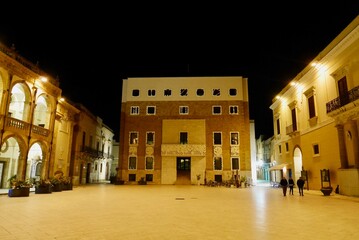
[91, 152]
[291, 130]
[21, 127]
[343, 100]
[183, 150]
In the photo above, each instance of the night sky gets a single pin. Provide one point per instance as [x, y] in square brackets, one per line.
[91, 49]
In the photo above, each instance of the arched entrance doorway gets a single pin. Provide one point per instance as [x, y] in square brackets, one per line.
[298, 162]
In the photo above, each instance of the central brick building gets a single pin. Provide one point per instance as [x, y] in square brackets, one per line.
[184, 130]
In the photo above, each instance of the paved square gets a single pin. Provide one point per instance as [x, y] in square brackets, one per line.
[106, 211]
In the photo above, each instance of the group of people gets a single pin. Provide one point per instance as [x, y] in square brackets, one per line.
[284, 183]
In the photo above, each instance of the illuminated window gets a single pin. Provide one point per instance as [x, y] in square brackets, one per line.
[234, 138]
[133, 138]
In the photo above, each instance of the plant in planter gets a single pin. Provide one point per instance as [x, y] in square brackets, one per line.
[19, 188]
[66, 183]
[56, 181]
[243, 181]
[142, 181]
[325, 180]
[326, 190]
[56, 184]
[43, 186]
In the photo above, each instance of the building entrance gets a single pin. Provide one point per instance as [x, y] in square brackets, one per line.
[183, 170]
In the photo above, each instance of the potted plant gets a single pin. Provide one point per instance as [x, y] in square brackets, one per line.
[243, 181]
[19, 188]
[56, 184]
[56, 181]
[142, 181]
[43, 186]
[326, 190]
[66, 183]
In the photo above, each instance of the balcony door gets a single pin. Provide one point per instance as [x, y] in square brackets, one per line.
[343, 91]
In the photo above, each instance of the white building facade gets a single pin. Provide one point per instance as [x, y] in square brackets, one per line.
[316, 117]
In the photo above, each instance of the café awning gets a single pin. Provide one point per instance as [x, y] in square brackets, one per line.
[280, 166]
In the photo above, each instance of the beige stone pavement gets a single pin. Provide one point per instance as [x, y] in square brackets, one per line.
[106, 211]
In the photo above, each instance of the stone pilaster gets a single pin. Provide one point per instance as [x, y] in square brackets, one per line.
[342, 149]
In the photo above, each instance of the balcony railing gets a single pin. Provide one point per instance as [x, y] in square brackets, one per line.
[40, 131]
[17, 124]
[94, 153]
[289, 129]
[341, 101]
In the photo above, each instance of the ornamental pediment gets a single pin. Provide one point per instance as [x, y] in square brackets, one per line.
[183, 150]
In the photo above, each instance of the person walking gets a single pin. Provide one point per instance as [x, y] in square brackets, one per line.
[300, 184]
[284, 184]
[291, 185]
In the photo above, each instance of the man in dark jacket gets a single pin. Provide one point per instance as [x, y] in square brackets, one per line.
[284, 184]
[291, 185]
[300, 184]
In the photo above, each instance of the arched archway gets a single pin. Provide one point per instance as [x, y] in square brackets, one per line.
[34, 162]
[20, 101]
[298, 162]
[42, 112]
[9, 160]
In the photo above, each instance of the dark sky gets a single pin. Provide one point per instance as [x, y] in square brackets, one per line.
[91, 48]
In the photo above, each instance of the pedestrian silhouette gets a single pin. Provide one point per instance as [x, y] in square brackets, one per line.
[291, 185]
[284, 184]
[300, 184]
